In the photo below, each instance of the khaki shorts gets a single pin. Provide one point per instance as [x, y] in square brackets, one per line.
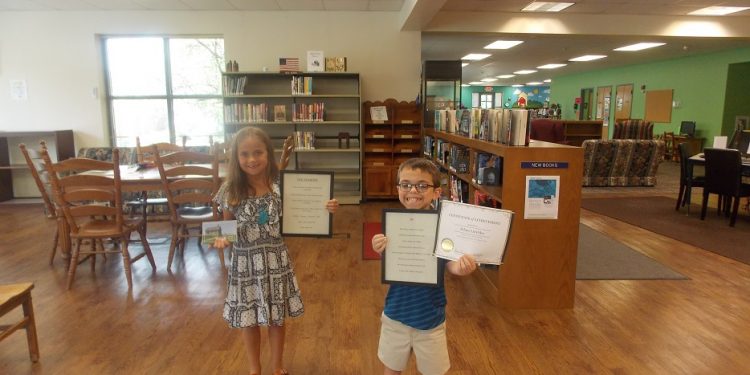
[398, 340]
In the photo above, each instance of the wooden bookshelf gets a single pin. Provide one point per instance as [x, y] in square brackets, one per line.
[388, 143]
[540, 261]
[250, 99]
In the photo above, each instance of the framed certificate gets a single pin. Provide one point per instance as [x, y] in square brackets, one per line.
[469, 229]
[304, 195]
[408, 257]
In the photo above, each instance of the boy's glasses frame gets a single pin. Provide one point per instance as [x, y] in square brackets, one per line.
[421, 187]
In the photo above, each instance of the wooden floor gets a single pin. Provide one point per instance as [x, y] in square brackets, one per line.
[171, 322]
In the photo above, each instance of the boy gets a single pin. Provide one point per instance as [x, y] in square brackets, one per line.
[414, 316]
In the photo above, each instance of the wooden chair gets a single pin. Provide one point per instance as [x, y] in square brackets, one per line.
[723, 177]
[36, 166]
[89, 194]
[144, 157]
[12, 296]
[669, 146]
[222, 151]
[190, 199]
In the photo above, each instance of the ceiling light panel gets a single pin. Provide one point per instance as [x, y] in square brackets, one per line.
[551, 66]
[503, 44]
[588, 58]
[717, 11]
[506, 76]
[544, 6]
[525, 71]
[476, 56]
[639, 46]
[489, 79]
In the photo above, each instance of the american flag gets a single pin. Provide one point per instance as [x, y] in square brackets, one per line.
[289, 64]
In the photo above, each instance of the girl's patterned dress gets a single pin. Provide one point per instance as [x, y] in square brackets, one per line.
[261, 287]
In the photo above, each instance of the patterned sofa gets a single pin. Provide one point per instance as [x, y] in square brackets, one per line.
[621, 162]
[633, 129]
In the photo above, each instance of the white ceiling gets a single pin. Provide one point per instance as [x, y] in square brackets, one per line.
[454, 28]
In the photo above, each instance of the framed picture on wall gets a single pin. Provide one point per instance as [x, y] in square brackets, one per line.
[741, 123]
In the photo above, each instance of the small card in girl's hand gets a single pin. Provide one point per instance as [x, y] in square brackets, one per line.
[212, 229]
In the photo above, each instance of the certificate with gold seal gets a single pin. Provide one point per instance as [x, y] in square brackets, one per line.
[408, 257]
[480, 231]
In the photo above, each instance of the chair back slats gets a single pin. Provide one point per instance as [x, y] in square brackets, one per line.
[188, 170]
[36, 167]
[192, 198]
[146, 154]
[192, 183]
[189, 191]
[81, 195]
[723, 168]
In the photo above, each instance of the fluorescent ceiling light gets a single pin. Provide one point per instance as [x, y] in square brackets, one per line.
[476, 83]
[548, 80]
[639, 46]
[506, 76]
[488, 79]
[544, 6]
[588, 57]
[465, 85]
[476, 56]
[533, 83]
[464, 64]
[551, 66]
[525, 71]
[503, 44]
[516, 85]
[717, 11]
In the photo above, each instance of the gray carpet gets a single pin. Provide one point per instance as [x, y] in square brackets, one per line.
[602, 258]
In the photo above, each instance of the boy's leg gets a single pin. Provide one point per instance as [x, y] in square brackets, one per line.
[431, 350]
[276, 335]
[394, 348]
[251, 336]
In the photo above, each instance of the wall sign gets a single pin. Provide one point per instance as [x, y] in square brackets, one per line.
[544, 165]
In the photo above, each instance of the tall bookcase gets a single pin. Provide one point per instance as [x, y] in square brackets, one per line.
[324, 104]
[540, 262]
[387, 143]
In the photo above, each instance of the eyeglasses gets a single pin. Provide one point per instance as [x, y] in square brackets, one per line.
[421, 187]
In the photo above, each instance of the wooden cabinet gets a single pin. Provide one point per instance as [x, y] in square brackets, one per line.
[540, 260]
[578, 131]
[321, 109]
[387, 143]
[16, 180]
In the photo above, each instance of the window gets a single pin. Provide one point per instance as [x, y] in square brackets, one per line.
[163, 89]
[485, 101]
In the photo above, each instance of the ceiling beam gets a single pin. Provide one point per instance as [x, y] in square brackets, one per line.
[416, 14]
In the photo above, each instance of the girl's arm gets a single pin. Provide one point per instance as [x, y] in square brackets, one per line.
[286, 152]
[222, 242]
[463, 266]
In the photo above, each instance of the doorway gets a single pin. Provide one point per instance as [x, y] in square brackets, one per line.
[584, 112]
[603, 100]
[623, 100]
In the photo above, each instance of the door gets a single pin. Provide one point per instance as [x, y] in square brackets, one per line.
[586, 100]
[603, 99]
[623, 100]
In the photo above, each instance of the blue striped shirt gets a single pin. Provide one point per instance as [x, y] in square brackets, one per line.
[420, 307]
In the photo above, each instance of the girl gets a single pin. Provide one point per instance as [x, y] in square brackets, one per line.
[262, 289]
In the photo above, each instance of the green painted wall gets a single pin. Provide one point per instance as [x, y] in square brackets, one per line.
[737, 95]
[699, 84]
[533, 93]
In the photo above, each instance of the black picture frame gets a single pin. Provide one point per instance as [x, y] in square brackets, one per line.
[439, 264]
[284, 184]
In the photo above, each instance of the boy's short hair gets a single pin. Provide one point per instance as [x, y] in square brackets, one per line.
[422, 164]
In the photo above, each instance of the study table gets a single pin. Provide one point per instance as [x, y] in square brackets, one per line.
[698, 159]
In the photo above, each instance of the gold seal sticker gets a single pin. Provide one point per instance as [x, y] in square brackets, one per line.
[446, 244]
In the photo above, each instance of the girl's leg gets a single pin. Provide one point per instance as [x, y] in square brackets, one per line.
[276, 335]
[251, 336]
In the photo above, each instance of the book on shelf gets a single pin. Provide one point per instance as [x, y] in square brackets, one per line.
[234, 85]
[427, 147]
[519, 127]
[335, 64]
[288, 64]
[315, 61]
[313, 112]
[304, 140]
[302, 85]
[279, 113]
[246, 112]
[488, 169]
[459, 159]
[483, 199]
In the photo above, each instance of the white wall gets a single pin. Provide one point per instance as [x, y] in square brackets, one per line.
[56, 54]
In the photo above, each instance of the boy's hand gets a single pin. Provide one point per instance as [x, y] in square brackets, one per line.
[378, 243]
[465, 265]
[332, 205]
[220, 243]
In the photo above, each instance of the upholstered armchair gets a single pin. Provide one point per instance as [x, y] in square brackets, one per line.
[633, 129]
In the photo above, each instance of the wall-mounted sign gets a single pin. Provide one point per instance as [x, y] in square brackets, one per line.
[544, 165]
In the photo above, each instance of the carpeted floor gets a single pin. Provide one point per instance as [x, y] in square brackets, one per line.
[657, 214]
[602, 258]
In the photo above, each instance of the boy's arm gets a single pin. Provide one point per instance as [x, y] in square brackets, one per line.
[463, 266]
[378, 242]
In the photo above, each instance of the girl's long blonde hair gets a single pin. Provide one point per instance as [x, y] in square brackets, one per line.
[237, 184]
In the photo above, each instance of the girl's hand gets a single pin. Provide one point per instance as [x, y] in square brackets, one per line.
[332, 206]
[378, 243]
[286, 152]
[220, 243]
[465, 265]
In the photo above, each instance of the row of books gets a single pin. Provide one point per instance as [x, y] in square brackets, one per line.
[304, 140]
[234, 85]
[302, 85]
[459, 190]
[505, 126]
[308, 112]
[488, 169]
[246, 112]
